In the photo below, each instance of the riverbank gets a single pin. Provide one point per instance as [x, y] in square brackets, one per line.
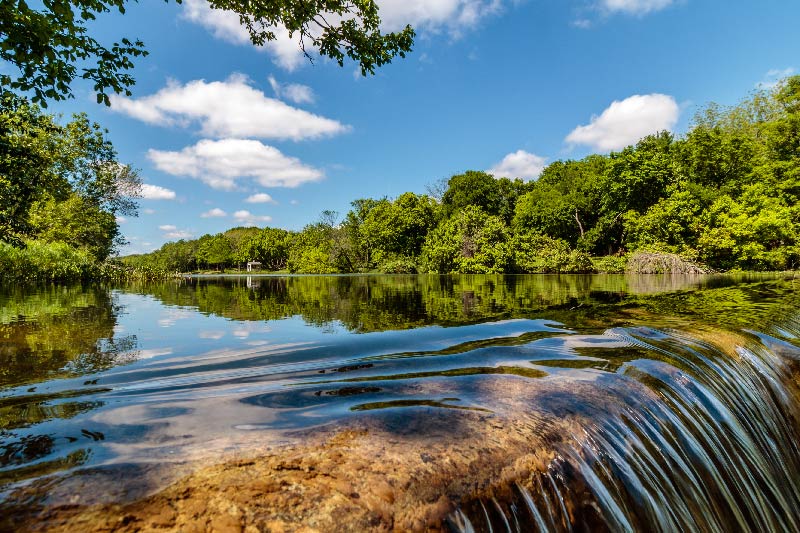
[59, 262]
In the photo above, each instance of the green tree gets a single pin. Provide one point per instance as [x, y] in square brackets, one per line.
[77, 222]
[270, 247]
[480, 189]
[40, 159]
[216, 250]
[565, 201]
[471, 242]
[399, 228]
[756, 231]
[361, 243]
[49, 43]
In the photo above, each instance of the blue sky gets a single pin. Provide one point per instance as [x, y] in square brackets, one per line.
[226, 134]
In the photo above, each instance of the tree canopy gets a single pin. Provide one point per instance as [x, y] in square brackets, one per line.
[61, 182]
[52, 45]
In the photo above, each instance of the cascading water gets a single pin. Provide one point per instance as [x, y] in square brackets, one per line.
[704, 441]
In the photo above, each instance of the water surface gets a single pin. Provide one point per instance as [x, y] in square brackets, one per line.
[649, 402]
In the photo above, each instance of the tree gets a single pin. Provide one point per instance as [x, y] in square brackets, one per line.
[41, 159]
[565, 201]
[400, 227]
[49, 44]
[215, 250]
[270, 247]
[470, 242]
[480, 189]
[77, 222]
[361, 243]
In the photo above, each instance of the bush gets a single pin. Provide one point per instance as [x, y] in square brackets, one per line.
[610, 264]
[40, 261]
[402, 265]
[539, 254]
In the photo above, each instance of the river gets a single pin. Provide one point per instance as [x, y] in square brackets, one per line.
[453, 403]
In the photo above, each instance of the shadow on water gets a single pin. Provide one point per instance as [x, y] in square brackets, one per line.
[660, 402]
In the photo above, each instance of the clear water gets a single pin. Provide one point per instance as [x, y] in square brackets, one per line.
[649, 403]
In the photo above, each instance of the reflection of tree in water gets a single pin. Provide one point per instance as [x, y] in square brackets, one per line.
[379, 303]
[374, 303]
[54, 331]
[51, 332]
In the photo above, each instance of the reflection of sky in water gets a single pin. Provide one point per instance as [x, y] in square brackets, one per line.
[199, 385]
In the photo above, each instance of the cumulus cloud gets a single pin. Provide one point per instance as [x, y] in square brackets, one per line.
[436, 15]
[214, 213]
[294, 92]
[225, 25]
[260, 198]
[453, 16]
[519, 164]
[773, 77]
[172, 232]
[635, 7]
[220, 164]
[154, 192]
[625, 122]
[149, 211]
[246, 218]
[230, 108]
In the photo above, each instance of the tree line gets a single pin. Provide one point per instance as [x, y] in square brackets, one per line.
[725, 194]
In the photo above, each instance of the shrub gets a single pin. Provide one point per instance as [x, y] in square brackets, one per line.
[610, 264]
[402, 265]
[539, 254]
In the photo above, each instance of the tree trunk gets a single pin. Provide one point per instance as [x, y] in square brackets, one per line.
[578, 220]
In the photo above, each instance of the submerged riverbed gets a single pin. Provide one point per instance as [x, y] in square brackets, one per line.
[485, 403]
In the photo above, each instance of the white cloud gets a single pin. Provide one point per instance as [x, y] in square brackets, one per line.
[120, 219]
[154, 192]
[519, 164]
[435, 15]
[214, 213]
[773, 77]
[260, 198]
[172, 232]
[180, 234]
[225, 25]
[294, 92]
[149, 211]
[246, 218]
[220, 164]
[635, 7]
[453, 16]
[230, 108]
[625, 122]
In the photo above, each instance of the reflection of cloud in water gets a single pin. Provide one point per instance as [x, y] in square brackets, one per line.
[171, 315]
[243, 330]
[257, 343]
[215, 335]
[153, 352]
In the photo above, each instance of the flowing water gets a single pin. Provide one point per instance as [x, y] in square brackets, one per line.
[469, 403]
